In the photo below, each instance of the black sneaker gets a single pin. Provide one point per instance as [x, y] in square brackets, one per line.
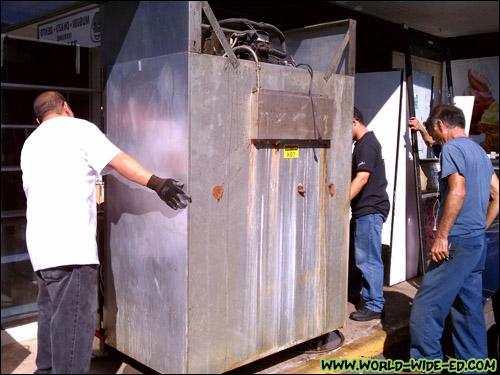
[364, 314]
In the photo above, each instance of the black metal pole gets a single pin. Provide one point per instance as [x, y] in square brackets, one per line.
[416, 160]
[448, 78]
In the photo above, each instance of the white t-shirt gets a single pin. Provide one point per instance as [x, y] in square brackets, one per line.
[60, 161]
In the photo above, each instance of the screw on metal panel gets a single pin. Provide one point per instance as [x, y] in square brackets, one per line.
[331, 188]
[217, 192]
[301, 189]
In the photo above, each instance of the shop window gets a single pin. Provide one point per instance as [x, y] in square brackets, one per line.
[30, 67]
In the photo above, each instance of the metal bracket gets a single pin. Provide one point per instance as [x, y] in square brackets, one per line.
[337, 56]
[220, 34]
[3, 38]
[77, 59]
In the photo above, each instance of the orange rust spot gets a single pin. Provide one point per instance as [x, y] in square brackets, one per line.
[217, 192]
[331, 188]
[301, 189]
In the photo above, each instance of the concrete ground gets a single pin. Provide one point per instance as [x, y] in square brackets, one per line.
[361, 340]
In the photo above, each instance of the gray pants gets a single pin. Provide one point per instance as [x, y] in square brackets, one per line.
[67, 308]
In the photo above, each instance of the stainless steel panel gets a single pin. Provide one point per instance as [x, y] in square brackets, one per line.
[282, 115]
[316, 45]
[134, 30]
[267, 265]
[146, 282]
[252, 266]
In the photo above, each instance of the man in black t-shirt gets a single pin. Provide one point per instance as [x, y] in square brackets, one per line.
[370, 207]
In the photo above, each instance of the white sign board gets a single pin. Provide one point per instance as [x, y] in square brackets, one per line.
[422, 99]
[466, 104]
[83, 29]
[479, 78]
[381, 97]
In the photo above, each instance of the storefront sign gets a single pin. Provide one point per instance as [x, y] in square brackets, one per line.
[479, 78]
[83, 28]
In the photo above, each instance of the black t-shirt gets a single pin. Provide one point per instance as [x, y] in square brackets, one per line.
[373, 198]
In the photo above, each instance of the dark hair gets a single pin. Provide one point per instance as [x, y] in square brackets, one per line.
[358, 115]
[47, 103]
[450, 115]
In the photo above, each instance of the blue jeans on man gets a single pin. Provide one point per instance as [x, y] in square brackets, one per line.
[67, 316]
[454, 284]
[366, 270]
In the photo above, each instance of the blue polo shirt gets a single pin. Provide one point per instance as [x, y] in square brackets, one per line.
[468, 158]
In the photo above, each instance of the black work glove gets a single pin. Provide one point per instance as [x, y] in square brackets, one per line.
[170, 191]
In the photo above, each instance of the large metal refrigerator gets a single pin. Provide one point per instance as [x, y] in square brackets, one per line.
[258, 261]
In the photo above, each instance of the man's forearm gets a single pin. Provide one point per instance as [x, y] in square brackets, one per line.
[357, 184]
[453, 204]
[452, 207]
[429, 141]
[492, 212]
[130, 168]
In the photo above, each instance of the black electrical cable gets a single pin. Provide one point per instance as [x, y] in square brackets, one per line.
[315, 114]
[231, 23]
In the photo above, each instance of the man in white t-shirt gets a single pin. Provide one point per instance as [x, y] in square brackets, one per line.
[62, 242]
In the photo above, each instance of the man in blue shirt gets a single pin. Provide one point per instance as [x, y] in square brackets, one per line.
[469, 192]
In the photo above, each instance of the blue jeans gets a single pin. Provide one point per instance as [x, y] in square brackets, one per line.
[367, 270]
[454, 284]
[67, 313]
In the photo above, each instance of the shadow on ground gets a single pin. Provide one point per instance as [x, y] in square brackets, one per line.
[13, 355]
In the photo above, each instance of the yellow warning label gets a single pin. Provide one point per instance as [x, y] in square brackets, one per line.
[291, 151]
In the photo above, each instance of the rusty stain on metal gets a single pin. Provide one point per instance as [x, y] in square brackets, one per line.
[217, 192]
[301, 189]
[331, 188]
[305, 277]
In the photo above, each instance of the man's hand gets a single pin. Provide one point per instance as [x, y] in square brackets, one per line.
[439, 249]
[170, 191]
[414, 124]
